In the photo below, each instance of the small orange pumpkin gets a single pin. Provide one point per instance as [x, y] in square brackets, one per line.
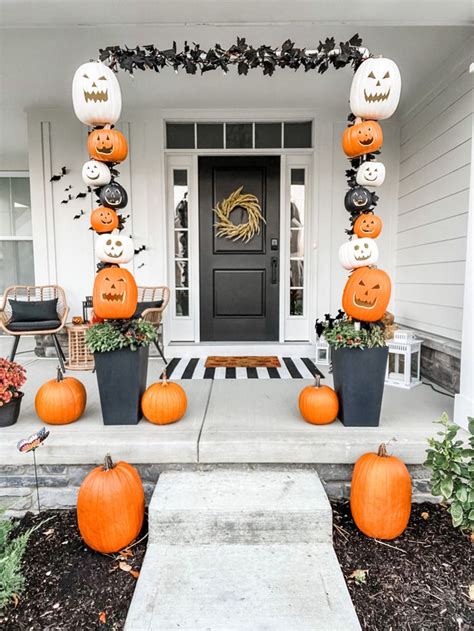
[361, 138]
[164, 402]
[104, 219]
[110, 506]
[107, 145]
[368, 225]
[381, 495]
[61, 400]
[115, 294]
[318, 404]
[367, 294]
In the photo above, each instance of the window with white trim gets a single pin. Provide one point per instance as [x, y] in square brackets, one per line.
[181, 241]
[297, 240]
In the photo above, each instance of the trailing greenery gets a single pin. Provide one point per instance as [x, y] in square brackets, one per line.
[343, 333]
[452, 464]
[12, 550]
[117, 334]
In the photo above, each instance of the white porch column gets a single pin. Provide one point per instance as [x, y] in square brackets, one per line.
[464, 401]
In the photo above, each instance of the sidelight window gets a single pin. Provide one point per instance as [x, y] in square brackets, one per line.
[181, 241]
[297, 240]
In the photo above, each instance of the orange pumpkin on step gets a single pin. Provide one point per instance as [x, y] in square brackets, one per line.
[381, 495]
[61, 400]
[318, 404]
[164, 402]
[110, 506]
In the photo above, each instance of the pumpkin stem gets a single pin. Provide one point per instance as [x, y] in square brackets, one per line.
[382, 452]
[317, 380]
[108, 463]
[59, 374]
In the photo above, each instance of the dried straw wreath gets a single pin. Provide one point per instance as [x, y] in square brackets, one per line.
[243, 231]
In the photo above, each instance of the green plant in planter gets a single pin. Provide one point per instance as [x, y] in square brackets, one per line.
[117, 334]
[344, 334]
[451, 462]
[12, 550]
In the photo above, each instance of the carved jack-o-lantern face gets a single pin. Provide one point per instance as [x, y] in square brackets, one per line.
[375, 89]
[96, 94]
[358, 199]
[367, 294]
[358, 253]
[362, 138]
[95, 173]
[107, 145]
[113, 195]
[371, 174]
[115, 294]
[368, 225]
[104, 219]
[114, 248]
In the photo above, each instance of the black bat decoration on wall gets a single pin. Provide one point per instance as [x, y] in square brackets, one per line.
[67, 200]
[81, 213]
[79, 195]
[57, 176]
[140, 248]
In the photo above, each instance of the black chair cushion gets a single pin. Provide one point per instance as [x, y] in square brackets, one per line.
[147, 304]
[34, 310]
[37, 325]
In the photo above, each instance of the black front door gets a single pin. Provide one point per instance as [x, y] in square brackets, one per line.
[239, 281]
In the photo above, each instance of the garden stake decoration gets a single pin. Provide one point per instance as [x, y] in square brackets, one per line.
[31, 444]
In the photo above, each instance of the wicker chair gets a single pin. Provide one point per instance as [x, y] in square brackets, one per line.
[34, 293]
[154, 314]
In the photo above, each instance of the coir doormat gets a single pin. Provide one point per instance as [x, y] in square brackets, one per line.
[246, 361]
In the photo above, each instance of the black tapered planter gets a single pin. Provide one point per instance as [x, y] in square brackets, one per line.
[359, 376]
[121, 377]
[10, 412]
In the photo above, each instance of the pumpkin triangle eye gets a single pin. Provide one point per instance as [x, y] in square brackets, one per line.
[386, 75]
[102, 78]
[84, 76]
[376, 286]
[371, 75]
[362, 283]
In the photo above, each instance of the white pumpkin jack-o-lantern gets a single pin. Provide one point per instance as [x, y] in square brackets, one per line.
[371, 174]
[95, 173]
[96, 94]
[358, 253]
[114, 248]
[375, 89]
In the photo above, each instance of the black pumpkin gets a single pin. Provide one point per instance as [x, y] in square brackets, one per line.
[113, 195]
[358, 199]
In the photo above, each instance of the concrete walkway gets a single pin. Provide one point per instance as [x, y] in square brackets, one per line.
[240, 551]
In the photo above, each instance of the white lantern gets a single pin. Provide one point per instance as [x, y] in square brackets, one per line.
[323, 351]
[358, 253]
[375, 89]
[404, 360]
[371, 174]
[114, 248]
[96, 94]
[95, 173]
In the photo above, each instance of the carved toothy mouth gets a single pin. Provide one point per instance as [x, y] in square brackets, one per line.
[96, 96]
[112, 201]
[373, 98]
[367, 230]
[366, 143]
[362, 257]
[111, 255]
[113, 297]
[360, 202]
[105, 150]
[364, 304]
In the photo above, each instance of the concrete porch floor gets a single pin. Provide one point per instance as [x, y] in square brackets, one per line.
[228, 421]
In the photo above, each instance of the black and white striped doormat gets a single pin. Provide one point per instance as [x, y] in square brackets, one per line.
[194, 368]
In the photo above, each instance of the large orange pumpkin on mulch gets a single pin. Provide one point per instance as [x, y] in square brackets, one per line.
[318, 404]
[164, 402]
[381, 495]
[110, 506]
[61, 400]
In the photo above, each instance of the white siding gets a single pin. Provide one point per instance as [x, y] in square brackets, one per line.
[435, 156]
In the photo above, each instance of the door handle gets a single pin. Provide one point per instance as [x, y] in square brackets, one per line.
[274, 263]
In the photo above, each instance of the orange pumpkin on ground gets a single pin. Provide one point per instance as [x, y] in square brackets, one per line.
[115, 294]
[61, 400]
[381, 495]
[367, 294]
[318, 404]
[368, 225]
[104, 219]
[110, 506]
[164, 402]
[107, 145]
[362, 138]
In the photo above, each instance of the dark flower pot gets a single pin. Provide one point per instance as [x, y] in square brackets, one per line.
[121, 377]
[10, 412]
[359, 376]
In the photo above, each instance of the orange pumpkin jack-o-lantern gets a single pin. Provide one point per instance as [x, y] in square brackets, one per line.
[107, 145]
[368, 225]
[367, 294]
[115, 294]
[362, 138]
[104, 219]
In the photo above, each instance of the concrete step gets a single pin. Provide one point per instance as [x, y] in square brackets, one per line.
[231, 506]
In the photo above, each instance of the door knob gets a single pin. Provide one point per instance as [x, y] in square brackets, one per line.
[274, 263]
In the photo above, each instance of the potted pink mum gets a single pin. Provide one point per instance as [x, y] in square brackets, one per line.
[12, 378]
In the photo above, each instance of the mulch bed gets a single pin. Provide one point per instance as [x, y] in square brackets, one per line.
[68, 586]
[416, 582]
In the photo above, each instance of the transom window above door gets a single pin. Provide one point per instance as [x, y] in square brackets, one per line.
[239, 135]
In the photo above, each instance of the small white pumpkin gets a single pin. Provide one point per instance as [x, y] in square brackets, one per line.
[371, 174]
[95, 173]
[375, 89]
[358, 253]
[114, 248]
[96, 94]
